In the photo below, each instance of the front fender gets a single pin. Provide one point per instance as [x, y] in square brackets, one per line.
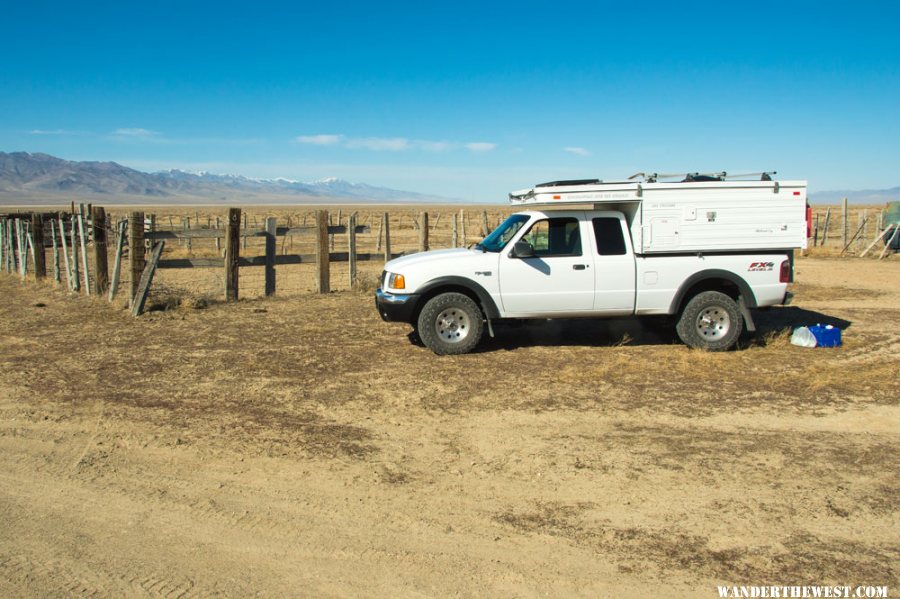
[487, 302]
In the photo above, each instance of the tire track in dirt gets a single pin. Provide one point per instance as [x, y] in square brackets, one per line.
[885, 346]
[56, 577]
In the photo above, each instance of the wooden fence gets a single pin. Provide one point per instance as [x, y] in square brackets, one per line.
[850, 229]
[82, 239]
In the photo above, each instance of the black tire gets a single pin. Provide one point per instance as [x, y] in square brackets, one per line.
[711, 320]
[450, 323]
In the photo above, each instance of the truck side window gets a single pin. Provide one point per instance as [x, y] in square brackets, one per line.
[610, 241]
[555, 237]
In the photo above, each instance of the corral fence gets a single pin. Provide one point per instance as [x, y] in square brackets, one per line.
[851, 229]
[88, 249]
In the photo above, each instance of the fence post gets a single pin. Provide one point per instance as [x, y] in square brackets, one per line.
[218, 239]
[10, 236]
[56, 274]
[9, 249]
[37, 236]
[62, 239]
[825, 227]
[14, 242]
[323, 267]
[147, 279]
[232, 252]
[454, 239]
[135, 250]
[351, 247]
[271, 231]
[13, 227]
[865, 228]
[117, 265]
[462, 228]
[82, 233]
[380, 233]
[285, 236]
[23, 247]
[2, 243]
[845, 223]
[101, 264]
[484, 224]
[339, 220]
[387, 237]
[4, 237]
[423, 231]
[11, 231]
[246, 227]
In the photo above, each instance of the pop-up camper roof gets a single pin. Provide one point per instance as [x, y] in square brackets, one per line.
[587, 191]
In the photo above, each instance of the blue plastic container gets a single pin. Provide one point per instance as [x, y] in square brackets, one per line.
[826, 336]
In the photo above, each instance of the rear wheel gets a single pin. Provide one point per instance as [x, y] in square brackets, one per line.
[711, 320]
[450, 323]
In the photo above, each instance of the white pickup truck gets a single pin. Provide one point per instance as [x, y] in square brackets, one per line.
[705, 249]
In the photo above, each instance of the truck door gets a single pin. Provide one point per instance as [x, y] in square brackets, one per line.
[614, 268]
[559, 278]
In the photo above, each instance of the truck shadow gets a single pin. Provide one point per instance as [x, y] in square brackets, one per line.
[635, 332]
[790, 317]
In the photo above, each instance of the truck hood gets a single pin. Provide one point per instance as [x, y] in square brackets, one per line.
[431, 257]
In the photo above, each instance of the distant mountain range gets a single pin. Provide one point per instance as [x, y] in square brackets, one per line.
[43, 179]
[37, 178]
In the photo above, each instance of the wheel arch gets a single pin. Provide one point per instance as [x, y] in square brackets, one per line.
[713, 279]
[460, 285]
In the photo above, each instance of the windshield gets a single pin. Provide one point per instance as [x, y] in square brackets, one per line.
[500, 236]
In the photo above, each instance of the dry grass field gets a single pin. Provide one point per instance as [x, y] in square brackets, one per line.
[299, 446]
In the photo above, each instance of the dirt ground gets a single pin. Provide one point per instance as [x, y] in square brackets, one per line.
[299, 446]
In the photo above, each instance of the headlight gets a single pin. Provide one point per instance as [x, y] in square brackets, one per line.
[396, 281]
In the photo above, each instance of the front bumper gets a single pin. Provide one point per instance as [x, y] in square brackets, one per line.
[393, 307]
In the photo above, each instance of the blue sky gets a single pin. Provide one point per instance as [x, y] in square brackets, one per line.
[463, 99]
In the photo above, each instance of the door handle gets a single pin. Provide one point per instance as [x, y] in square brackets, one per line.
[579, 266]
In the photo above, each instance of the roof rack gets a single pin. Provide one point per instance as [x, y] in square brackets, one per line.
[694, 177]
[570, 182]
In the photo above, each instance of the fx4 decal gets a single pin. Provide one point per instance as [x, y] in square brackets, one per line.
[761, 266]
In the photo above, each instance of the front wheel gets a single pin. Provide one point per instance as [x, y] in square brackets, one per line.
[711, 320]
[450, 323]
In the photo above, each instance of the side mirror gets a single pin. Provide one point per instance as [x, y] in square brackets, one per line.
[522, 249]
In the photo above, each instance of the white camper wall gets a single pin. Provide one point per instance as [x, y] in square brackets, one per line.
[722, 219]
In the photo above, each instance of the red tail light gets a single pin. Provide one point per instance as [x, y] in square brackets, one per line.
[786, 274]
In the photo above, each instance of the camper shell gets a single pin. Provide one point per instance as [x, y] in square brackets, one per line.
[689, 215]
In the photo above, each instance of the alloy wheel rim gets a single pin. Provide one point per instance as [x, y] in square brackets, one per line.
[713, 323]
[452, 325]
